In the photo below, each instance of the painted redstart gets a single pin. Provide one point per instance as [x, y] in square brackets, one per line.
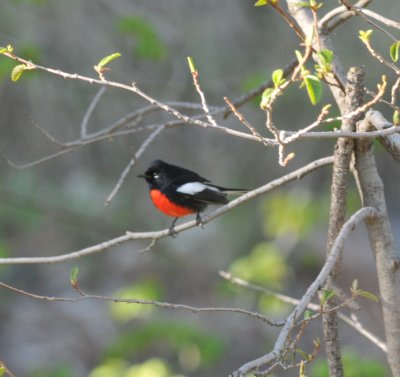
[179, 192]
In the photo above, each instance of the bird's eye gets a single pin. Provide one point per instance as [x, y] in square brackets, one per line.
[155, 175]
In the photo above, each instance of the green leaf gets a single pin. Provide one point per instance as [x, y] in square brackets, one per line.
[354, 285]
[368, 295]
[396, 118]
[394, 51]
[307, 315]
[3, 49]
[326, 295]
[326, 56]
[192, 66]
[303, 4]
[103, 62]
[266, 98]
[10, 48]
[314, 88]
[365, 36]
[298, 55]
[73, 276]
[260, 3]
[277, 77]
[17, 72]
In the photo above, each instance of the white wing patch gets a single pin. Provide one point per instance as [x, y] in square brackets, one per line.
[193, 188]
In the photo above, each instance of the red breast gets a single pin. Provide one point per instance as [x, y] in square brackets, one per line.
[168, 207]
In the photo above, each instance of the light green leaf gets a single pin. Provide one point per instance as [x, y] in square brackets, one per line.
[394, 51]
[307, 314]
[365, 36]
[103, 62]
[303, 4]
[277, 77]
[298, 55]
[260, 3]
[73, 276]
[17, 72]
[396, 118]
[368, 295]
[326, 56]
[354, 285]
[3, 49]
[192, 66]
[314, 88]
[266, 98]
[326, 295]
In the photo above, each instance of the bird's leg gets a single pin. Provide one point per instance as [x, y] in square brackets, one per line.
[172, 232]
[199, 220]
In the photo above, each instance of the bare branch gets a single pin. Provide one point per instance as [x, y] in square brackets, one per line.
[132, 162]
[244, 121]
[195, 75]
[90, 110]
[352, 321]
[382, 244]
[391, 142]
[339, 15]
[160, 304]
[296, 314]
[129, 236]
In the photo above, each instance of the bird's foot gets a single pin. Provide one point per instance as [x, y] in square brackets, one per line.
[172, 231]
[199, 221]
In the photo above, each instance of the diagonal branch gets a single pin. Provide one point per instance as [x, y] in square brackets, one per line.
[129, 236]
[296, 314]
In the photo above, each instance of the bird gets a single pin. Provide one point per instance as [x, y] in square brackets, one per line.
[178, 192]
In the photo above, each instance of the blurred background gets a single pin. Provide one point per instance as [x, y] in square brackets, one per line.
[55, 207]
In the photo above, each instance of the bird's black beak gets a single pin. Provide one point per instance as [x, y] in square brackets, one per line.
[142, 176]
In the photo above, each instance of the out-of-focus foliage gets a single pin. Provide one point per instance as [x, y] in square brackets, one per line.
[148, 289]
[57, 371]
[118, 368]
[264, 265]
[147, 44]
[354, 366]
[201, 347]
[295, 213]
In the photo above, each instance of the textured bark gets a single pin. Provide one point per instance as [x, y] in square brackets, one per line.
[382, 244]
[372, 194]
[337, 215]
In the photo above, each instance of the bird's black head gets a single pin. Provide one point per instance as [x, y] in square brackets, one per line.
[155, 174]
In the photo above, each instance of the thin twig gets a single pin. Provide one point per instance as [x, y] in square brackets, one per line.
[195, 75]
[282, 338]
[132, 162]
[129, 236]
[90, 110]
[243, 120]
[352, 321]
[160, 304]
